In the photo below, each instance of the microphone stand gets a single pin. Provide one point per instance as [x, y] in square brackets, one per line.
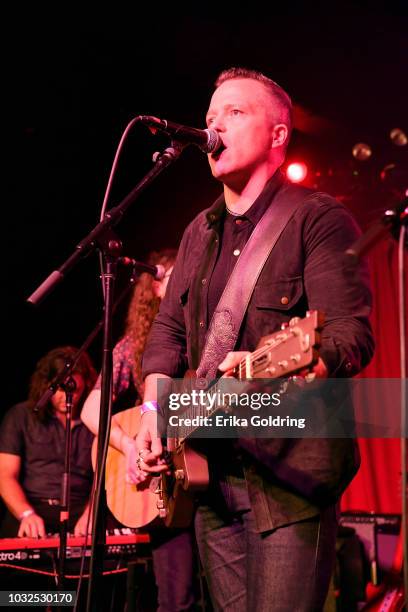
[102, 235]
[394, 220]
[69, 386]
[69, 365]
[390, 221]
[65, 381]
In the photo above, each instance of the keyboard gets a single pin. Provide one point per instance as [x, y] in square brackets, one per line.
[119, 542]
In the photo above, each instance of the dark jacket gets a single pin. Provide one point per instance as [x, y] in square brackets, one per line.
[287, 479]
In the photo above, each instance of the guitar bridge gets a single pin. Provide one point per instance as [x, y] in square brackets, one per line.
[159, 501]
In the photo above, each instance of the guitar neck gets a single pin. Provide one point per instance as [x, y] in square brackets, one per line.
[278, 355]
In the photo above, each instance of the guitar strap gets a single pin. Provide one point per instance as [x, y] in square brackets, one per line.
[226, 321]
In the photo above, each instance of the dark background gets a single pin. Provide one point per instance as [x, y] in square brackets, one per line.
[71, 85]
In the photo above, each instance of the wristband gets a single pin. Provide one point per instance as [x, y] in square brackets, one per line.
[149, 407]
[26, 513]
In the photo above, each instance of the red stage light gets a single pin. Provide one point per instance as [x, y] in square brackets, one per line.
[296, 172]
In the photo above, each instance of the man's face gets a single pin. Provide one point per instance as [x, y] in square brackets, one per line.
[241, 111]
[58, 399]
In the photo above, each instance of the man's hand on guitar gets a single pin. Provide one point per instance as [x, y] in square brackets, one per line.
[232, 359]
[319, 370]
[133, 472]
[143, 456]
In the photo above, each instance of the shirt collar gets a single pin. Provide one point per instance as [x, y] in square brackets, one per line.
[256, 210]
[216, 211]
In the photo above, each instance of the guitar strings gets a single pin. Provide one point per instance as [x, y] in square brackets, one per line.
[259, 352]
[202, 409]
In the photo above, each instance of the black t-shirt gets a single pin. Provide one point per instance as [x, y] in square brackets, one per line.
[41, 446]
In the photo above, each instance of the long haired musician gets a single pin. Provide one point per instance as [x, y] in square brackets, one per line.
[172, 549]
[32, 453]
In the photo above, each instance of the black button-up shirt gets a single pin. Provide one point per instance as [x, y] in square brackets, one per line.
[235, 231]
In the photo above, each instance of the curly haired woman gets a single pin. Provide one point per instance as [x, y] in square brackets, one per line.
[172, 549]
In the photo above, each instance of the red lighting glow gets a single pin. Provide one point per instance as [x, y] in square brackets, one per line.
[296, 172]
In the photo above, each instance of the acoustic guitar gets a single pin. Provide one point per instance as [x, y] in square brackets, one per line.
[133, 505]
[285, 352]
[171, 497]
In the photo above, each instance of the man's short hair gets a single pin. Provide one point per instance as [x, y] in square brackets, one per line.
[279, 95]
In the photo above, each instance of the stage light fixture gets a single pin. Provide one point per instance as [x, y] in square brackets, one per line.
[362, 151]
[296, 172]
[398, 137]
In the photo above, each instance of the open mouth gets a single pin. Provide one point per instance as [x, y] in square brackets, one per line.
[217, 154]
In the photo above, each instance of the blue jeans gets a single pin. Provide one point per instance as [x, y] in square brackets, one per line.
[284, 570]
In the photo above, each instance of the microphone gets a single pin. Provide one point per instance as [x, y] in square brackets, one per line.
[208, 141]
[390, 220]
[158, 272]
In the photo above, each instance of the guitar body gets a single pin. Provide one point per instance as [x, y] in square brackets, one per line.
[291, 349]
[189, 475]
[132, 505]
[282, 353]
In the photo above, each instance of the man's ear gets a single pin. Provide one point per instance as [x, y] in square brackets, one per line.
[279, 135]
